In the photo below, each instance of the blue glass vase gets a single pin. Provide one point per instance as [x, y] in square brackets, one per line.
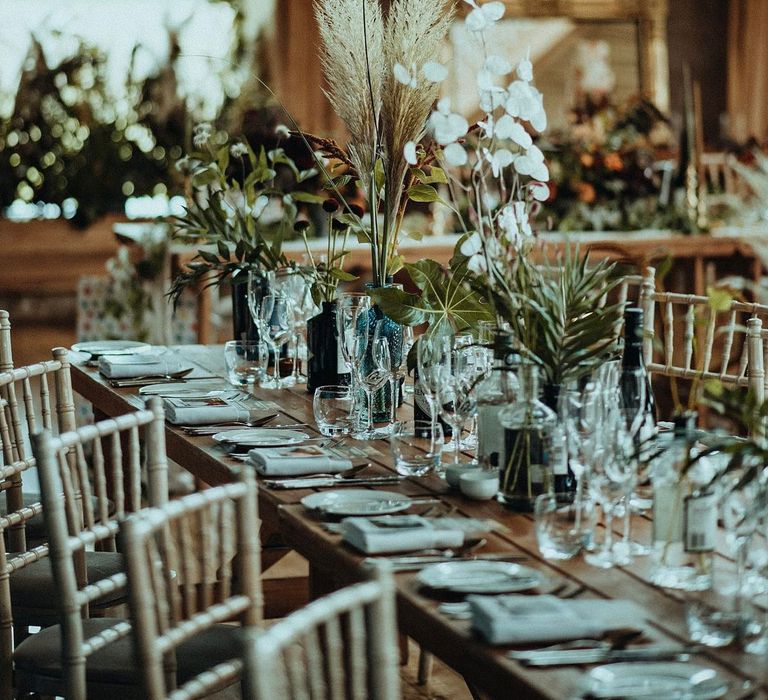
[393, 331]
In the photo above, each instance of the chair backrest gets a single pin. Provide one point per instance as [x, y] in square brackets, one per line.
[90, 479]
[27, 406]
[6, 356]
[192, 564]
[341, 646]
[702, 340]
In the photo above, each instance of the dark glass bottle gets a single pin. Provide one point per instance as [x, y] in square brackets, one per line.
[633, 372]
[325, 364]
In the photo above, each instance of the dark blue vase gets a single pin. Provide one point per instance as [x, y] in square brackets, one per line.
[324, 363]
[393, 331]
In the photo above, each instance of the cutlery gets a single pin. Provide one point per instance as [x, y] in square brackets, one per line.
[147, 379]
[326, 482]
[213, 428]
[612, 639]
[569, 657]
[415, 562]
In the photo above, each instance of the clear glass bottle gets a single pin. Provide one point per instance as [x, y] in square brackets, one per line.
[529, 427]
[684, 514]
[498, 390]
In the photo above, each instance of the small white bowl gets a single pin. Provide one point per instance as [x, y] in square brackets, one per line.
[453, 472]
[479, 484]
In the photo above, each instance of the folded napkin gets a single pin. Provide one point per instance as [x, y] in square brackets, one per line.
[297, 461]
[524, 619]
[215, 408]
[139, 365]
[397, 533]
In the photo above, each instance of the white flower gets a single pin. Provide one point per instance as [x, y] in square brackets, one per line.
[523, 221]
[282, 130]
[447, 126]
[526, 102]
[238, 149]
[472, 245]
[487, 126]
[234, 200]
[498, 160]
[491, 99]
[540, 191]
[497, 65]
[484, 16]
[259, 206]
[409, 153]
[434, 72]
[525, 70]
[182, 165]
[532, 164]
[201, 134]
[508, 128]
[404, 76]
[455, 155]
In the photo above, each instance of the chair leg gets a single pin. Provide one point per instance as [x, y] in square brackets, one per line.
[402, 641]
[425, 666]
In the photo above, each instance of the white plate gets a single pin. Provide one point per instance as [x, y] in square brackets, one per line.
[197, 387]
[111, 347]
[655, 680]
[480, 577]
[260, 437]
[357, 502]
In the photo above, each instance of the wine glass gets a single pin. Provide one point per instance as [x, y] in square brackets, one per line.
[408, 343]
[433, 358]
[275, 322]
[389, 360]
[352, 311]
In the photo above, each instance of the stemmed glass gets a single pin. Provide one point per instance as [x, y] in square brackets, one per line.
[408, 342]
[388, 360]
[433, 364]
[458, 403]
[608, 482]
[351, 313]
[275, 324]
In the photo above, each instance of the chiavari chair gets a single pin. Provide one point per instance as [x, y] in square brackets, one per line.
[90, 479]
[340, 646]
[192, 566]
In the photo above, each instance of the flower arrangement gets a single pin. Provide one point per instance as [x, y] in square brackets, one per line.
[606, 169]
[237, 207]
[382, 80]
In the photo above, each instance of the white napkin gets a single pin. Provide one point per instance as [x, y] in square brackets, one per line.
[296, 461]
[208, 410]
[139, 365]
[523, 619]
[397, 533]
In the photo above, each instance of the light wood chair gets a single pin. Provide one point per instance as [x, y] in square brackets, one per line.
[701, 342]
[6, 355]
[84, 498]
[341, 646]
[193, 565]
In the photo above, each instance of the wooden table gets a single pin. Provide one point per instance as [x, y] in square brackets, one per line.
[333, 564]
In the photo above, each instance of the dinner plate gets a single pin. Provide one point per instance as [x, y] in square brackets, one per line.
[260, 437]
[667, 680]
[198, 387]
[357, 502]
[111, 347]
[480, 577]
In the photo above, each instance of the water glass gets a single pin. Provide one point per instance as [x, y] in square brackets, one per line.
[245, 360]
[417, 447]
[715, 618]
[562, 528]
[332, 406]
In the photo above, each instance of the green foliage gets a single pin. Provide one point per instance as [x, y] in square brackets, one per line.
[227, 211]
[445, 299]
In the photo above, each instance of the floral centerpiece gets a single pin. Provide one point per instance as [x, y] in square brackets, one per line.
[238, 210]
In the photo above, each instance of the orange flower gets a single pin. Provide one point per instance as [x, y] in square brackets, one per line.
[587, 160]
[586, 192]
[613, 161]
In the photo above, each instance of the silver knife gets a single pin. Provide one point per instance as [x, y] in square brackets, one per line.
[415, 562]
[567, 657]
[324, 482]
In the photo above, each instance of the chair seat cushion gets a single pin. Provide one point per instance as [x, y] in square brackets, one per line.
[33, 588]
[40, 654]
